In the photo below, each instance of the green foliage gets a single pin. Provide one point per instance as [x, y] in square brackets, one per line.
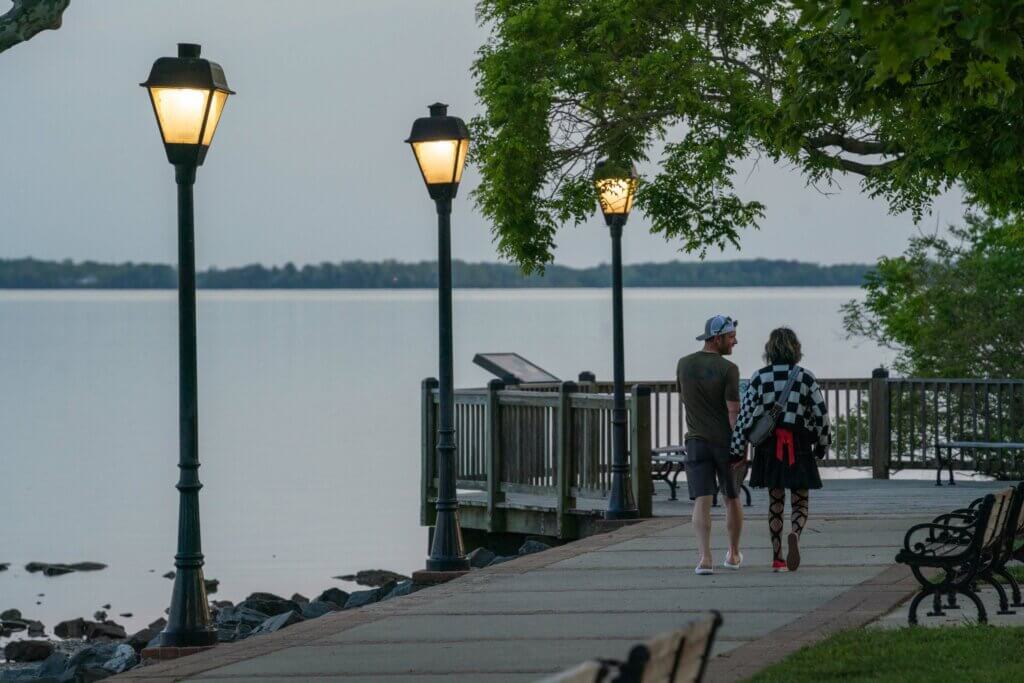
[950, 307]
[36, 274]
[950, 654]
[911, 95]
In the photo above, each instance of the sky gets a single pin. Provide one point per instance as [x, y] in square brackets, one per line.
[308, 164]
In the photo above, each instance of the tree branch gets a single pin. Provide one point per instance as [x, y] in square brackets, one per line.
[29, 17]
[842, 164]
[851, 145]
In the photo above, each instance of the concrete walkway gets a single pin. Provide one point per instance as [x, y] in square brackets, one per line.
[597, 597]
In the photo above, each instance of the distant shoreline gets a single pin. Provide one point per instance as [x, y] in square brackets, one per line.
[35, 274]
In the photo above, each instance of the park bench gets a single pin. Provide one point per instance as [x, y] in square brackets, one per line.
[668, 462]
[675, 657]
[1012, 546]
[948, 446]
[965, 546]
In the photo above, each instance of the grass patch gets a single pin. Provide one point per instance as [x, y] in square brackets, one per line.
[954, 653]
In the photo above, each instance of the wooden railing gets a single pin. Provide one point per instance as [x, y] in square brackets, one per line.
[554, 440]
[554, 444]
[848, 402]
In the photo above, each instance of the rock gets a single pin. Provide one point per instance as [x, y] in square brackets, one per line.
[107, 606]
[21, 675]
[211, 585]
[28, 650]
[4, 566]
[72, 628]
[360, 598]
[299, 598]
[335, 595]
[481, 557]
[33, 567]
[499, 559]
[88, 567]
[104, 630]
[278, 622]
[531, 547]
[269, 604]
[99, 615]
[35, 628]
[402, 588]
[372, 577]
[126, 615]
[10, 614]
[158, 624]
[318, 608]
[57, 570]
[124, 658]
[222, 604]
[140, 639]
[236, 623]
[8, 626]
[168, 575]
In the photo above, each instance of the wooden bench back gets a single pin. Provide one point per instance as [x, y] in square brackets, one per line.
[995, 526]
[675, 657]
[680, 656]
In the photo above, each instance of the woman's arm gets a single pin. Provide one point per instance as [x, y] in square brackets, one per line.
[745, 419]
[819, 422]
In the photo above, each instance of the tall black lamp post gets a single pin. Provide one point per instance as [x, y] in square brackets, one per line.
[616, 186]
[439, 143]
[188, 95]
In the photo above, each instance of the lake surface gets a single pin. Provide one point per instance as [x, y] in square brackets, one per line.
[309, 421]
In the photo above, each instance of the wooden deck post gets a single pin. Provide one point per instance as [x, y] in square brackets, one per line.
[492, 456]
[565, 475]
[880, 443]
[640, 451]
[428, 425]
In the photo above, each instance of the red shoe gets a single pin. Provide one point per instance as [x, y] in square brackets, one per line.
[779, 566]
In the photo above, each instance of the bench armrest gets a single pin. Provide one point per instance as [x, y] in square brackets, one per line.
[948, 534]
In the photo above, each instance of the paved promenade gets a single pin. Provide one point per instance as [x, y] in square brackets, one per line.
[526, 618]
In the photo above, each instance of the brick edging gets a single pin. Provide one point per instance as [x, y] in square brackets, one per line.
[856, 607]
[330, 624]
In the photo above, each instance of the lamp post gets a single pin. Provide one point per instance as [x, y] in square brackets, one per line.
[188, 96]
[439, 143]
[616, 186]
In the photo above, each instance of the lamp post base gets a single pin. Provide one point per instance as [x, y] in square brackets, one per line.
[621, 514]
[162, 653]
[186, 639]
[430, 577]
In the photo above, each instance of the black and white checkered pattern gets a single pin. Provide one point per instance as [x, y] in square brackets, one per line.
[805, 405]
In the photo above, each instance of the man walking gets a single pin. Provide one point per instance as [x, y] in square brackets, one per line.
[709, 388]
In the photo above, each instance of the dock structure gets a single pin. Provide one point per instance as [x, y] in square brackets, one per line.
[526, 618]
[535, 459]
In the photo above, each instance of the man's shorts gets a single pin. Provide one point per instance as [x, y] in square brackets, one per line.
[705, 463]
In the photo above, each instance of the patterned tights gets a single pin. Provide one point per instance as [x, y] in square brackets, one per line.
[798, 504]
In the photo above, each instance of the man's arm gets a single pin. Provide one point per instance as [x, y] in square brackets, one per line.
[734, 412]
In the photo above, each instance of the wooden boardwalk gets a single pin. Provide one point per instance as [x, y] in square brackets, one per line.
[595, 597]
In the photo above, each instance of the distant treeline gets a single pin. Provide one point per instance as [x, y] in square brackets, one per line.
[36, 274]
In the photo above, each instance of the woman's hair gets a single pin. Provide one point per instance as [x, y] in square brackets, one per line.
[782, 347]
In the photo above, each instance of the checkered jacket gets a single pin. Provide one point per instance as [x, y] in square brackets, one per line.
[805, 405]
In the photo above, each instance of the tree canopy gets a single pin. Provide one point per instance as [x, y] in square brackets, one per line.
[950, 307]
[912, 96]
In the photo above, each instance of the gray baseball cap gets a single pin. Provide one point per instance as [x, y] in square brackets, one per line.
[716, 325]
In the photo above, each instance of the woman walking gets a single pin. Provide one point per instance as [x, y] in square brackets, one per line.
[787, 458]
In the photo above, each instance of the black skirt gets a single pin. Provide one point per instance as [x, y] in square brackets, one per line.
[787, 465]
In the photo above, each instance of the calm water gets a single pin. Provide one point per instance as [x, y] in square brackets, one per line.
[309, 424]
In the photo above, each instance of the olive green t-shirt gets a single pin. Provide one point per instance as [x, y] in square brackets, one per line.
[706, 381]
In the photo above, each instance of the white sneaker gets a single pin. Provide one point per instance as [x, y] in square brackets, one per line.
[703, 570]
[734, 567]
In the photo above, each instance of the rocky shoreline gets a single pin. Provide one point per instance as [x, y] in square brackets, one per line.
[91, 650]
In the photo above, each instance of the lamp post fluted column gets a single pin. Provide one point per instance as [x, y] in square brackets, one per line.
[616, 185]
[447, 552]
[620, 504]
[188, 621]
[440, 143]
[188, 94]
